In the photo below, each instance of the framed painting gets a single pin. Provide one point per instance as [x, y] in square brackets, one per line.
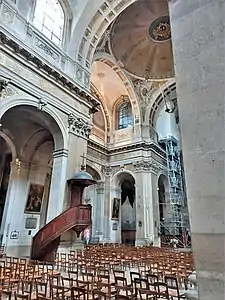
[34, 198]
[116, 209]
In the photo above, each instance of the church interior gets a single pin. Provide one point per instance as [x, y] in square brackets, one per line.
[111, 152]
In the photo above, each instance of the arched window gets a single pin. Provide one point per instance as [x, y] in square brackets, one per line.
[49, 19]
[124, 115]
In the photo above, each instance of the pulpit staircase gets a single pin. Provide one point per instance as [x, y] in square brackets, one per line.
[76, 217]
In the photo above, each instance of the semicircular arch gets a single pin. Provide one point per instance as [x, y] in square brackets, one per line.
[120, 175]
[58, 130]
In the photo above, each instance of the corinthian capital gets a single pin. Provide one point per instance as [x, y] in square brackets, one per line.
[150, 165]
[78, 126]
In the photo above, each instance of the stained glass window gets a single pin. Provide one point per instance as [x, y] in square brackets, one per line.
[49, 19]
[124, 114]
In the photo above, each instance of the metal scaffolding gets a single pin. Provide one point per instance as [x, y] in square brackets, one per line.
[176, 218]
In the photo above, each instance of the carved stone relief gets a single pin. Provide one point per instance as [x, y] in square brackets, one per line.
[7, 15]
[37, 80]
[10, 91]
[107, 170]
[103, 43]
[79, 126]
[149, 165]
[46, 49]
[145, 90]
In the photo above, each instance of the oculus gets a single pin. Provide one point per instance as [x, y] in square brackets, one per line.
[160, 30]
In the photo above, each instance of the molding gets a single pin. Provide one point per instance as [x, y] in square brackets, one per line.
[45, 68]
[151, 165]
[107, 170]
[137, 146]
[78, 126]
[60, 153]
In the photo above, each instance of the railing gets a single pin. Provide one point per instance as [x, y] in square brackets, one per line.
[79, 216]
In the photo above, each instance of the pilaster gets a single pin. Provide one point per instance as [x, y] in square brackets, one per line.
[58, 184]
[147, 218]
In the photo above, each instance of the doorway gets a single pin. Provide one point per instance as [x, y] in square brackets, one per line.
[128, 210]
[5, 168]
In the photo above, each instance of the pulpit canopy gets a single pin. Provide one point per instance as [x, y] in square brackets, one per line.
[81, 178]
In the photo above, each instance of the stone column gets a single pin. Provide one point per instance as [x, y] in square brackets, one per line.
[10, 198]
[141, 182]
[100, 199]
[107, 170]
[14, 216]
[198, 37]
[114, 225]
[79, 131]
[58, 184]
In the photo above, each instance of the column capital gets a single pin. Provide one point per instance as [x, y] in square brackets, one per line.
[79, 127]
[149, 165]
[60, 153]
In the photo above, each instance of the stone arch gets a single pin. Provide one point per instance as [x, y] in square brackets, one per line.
[103, 14]
[163, 199]
[104, 108]
[108, 60]
[57, 128]
[91, 169]
[167, 89]
[120, 175]
[11, 145]
[116, 107]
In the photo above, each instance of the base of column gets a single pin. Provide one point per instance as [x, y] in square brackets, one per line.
[192, 294]
[140, 242]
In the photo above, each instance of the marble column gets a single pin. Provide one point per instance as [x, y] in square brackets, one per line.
[58, 184]
[107, 170]
[198, 37]
[114, 225]
[100, 199]
[10, 198]
[140, 208]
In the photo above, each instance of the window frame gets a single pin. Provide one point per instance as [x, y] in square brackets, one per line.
[65, 29]
[128, 116]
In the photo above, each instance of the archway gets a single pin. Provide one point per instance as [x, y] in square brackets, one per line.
[163, 185]
[5, 169]
[128, 210]
[35, 135]
[92, 196]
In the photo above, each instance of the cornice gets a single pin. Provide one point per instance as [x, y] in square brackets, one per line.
[45, 68]
[137, 146]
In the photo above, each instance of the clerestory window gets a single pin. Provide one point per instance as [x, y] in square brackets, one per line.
[49, 19]
[124, 115]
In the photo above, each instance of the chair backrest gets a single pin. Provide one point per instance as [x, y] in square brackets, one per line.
[97, 295]
[172, 283]
[77, 293]
[122, 297]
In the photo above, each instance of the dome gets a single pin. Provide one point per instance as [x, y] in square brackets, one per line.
[141, 40]
[82, 175]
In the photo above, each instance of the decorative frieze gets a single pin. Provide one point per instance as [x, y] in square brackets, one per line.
[70, 86]
[7, 15]
[78, 126]
[145, 90]
[103, 43]
[107, 170]
[150, 165]
[3, 85]
[10, 91]
[46, 49]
